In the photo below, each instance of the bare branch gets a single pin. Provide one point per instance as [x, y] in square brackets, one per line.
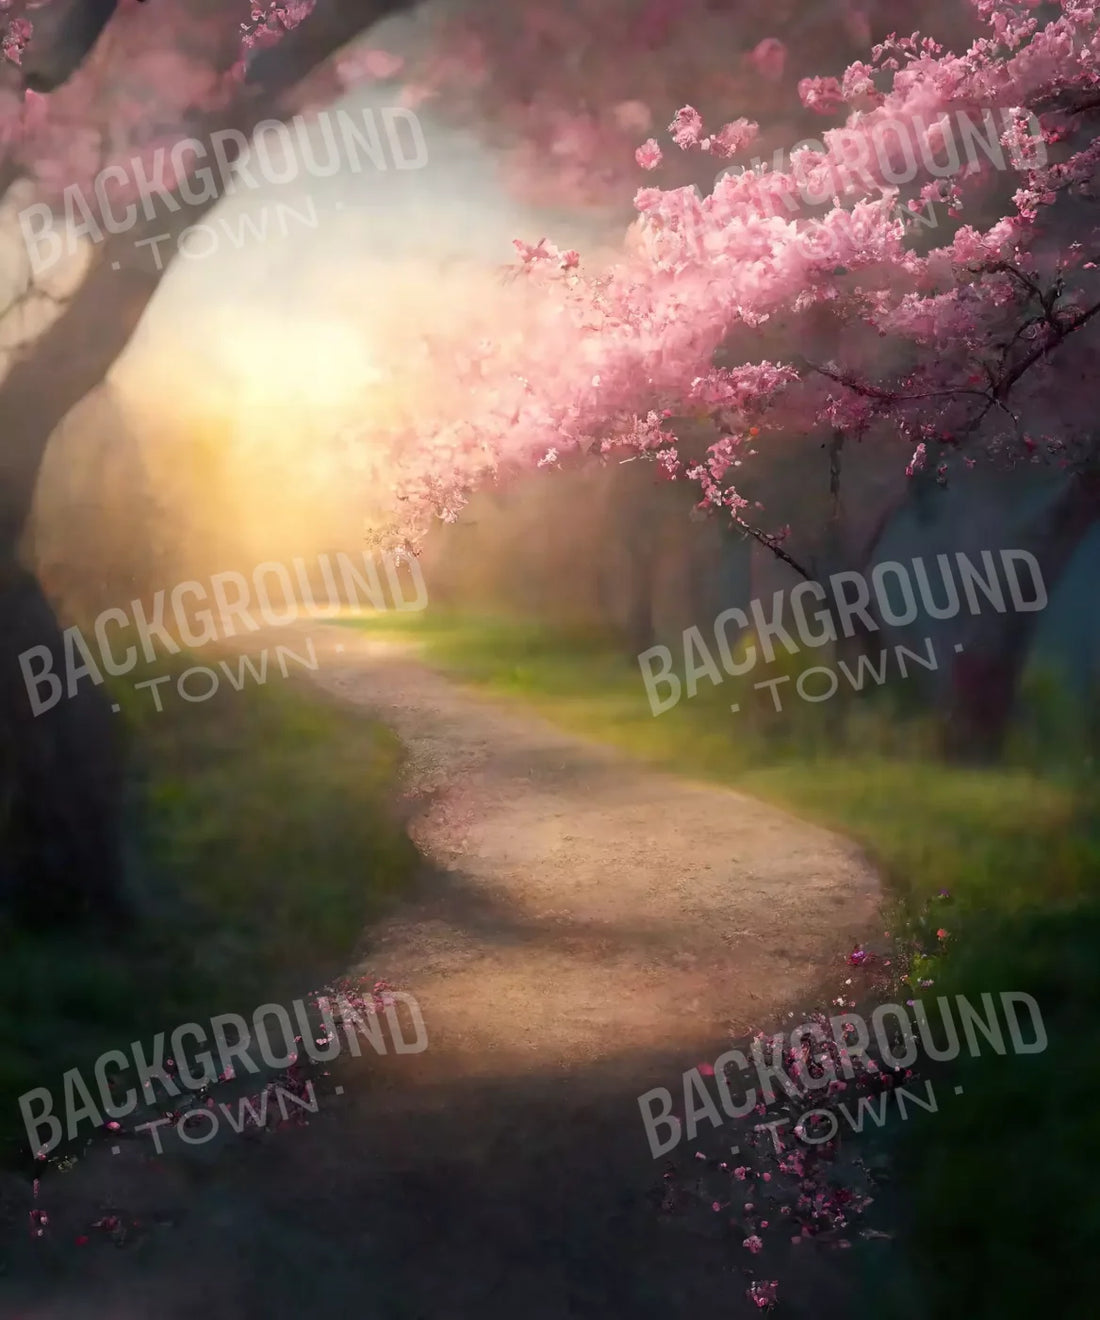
[772, 543]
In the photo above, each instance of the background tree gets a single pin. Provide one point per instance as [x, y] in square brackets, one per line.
[774, 323]
[674, 330]
[123, 79]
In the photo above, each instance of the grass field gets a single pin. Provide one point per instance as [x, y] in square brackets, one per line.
[262, 841]
[985, 834]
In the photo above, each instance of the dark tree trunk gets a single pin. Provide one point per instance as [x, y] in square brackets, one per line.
[641, 577]
[61, 772]
[986, 675]
[61, 780]
[640, 634]
[64, 33]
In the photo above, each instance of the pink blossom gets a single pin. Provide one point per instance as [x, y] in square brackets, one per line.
[763, 1293]
[769, 58]
[858, 82]
[649, 154]
[15, 40]
[706, 269]
[733, 137]
[822, 95]
[918, 461]
[687, 128]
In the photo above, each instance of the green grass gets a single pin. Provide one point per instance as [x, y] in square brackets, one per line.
[999, 1185]
[264, 838]
[984, 834]
[1001, 1214]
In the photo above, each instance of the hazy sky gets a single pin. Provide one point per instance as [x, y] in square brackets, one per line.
[286, 315]
[273, 346]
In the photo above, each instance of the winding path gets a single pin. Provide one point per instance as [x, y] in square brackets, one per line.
[586, 929]
[595, 908]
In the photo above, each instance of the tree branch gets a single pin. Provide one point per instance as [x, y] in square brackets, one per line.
[332, 24]
[76, 352]
[771, 542]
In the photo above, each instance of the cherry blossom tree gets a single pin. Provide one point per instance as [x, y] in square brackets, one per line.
[566, 90]
[104, 89]
[778, 307]
[87, 84]
[772, 317]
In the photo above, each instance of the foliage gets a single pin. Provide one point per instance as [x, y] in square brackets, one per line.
[265, 837]
[731, 305]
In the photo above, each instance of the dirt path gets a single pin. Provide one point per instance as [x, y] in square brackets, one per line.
[588, 930]
[597, 909]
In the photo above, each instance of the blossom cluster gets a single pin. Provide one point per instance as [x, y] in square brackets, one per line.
[783, 1194]
[922, 334]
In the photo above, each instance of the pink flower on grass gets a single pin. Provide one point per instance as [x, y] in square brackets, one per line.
[762, 1293]
[753, 1243]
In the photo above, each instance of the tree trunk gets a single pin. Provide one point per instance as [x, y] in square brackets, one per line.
[986, 675]
[641, 574]
[61, 772]
[61, 780]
